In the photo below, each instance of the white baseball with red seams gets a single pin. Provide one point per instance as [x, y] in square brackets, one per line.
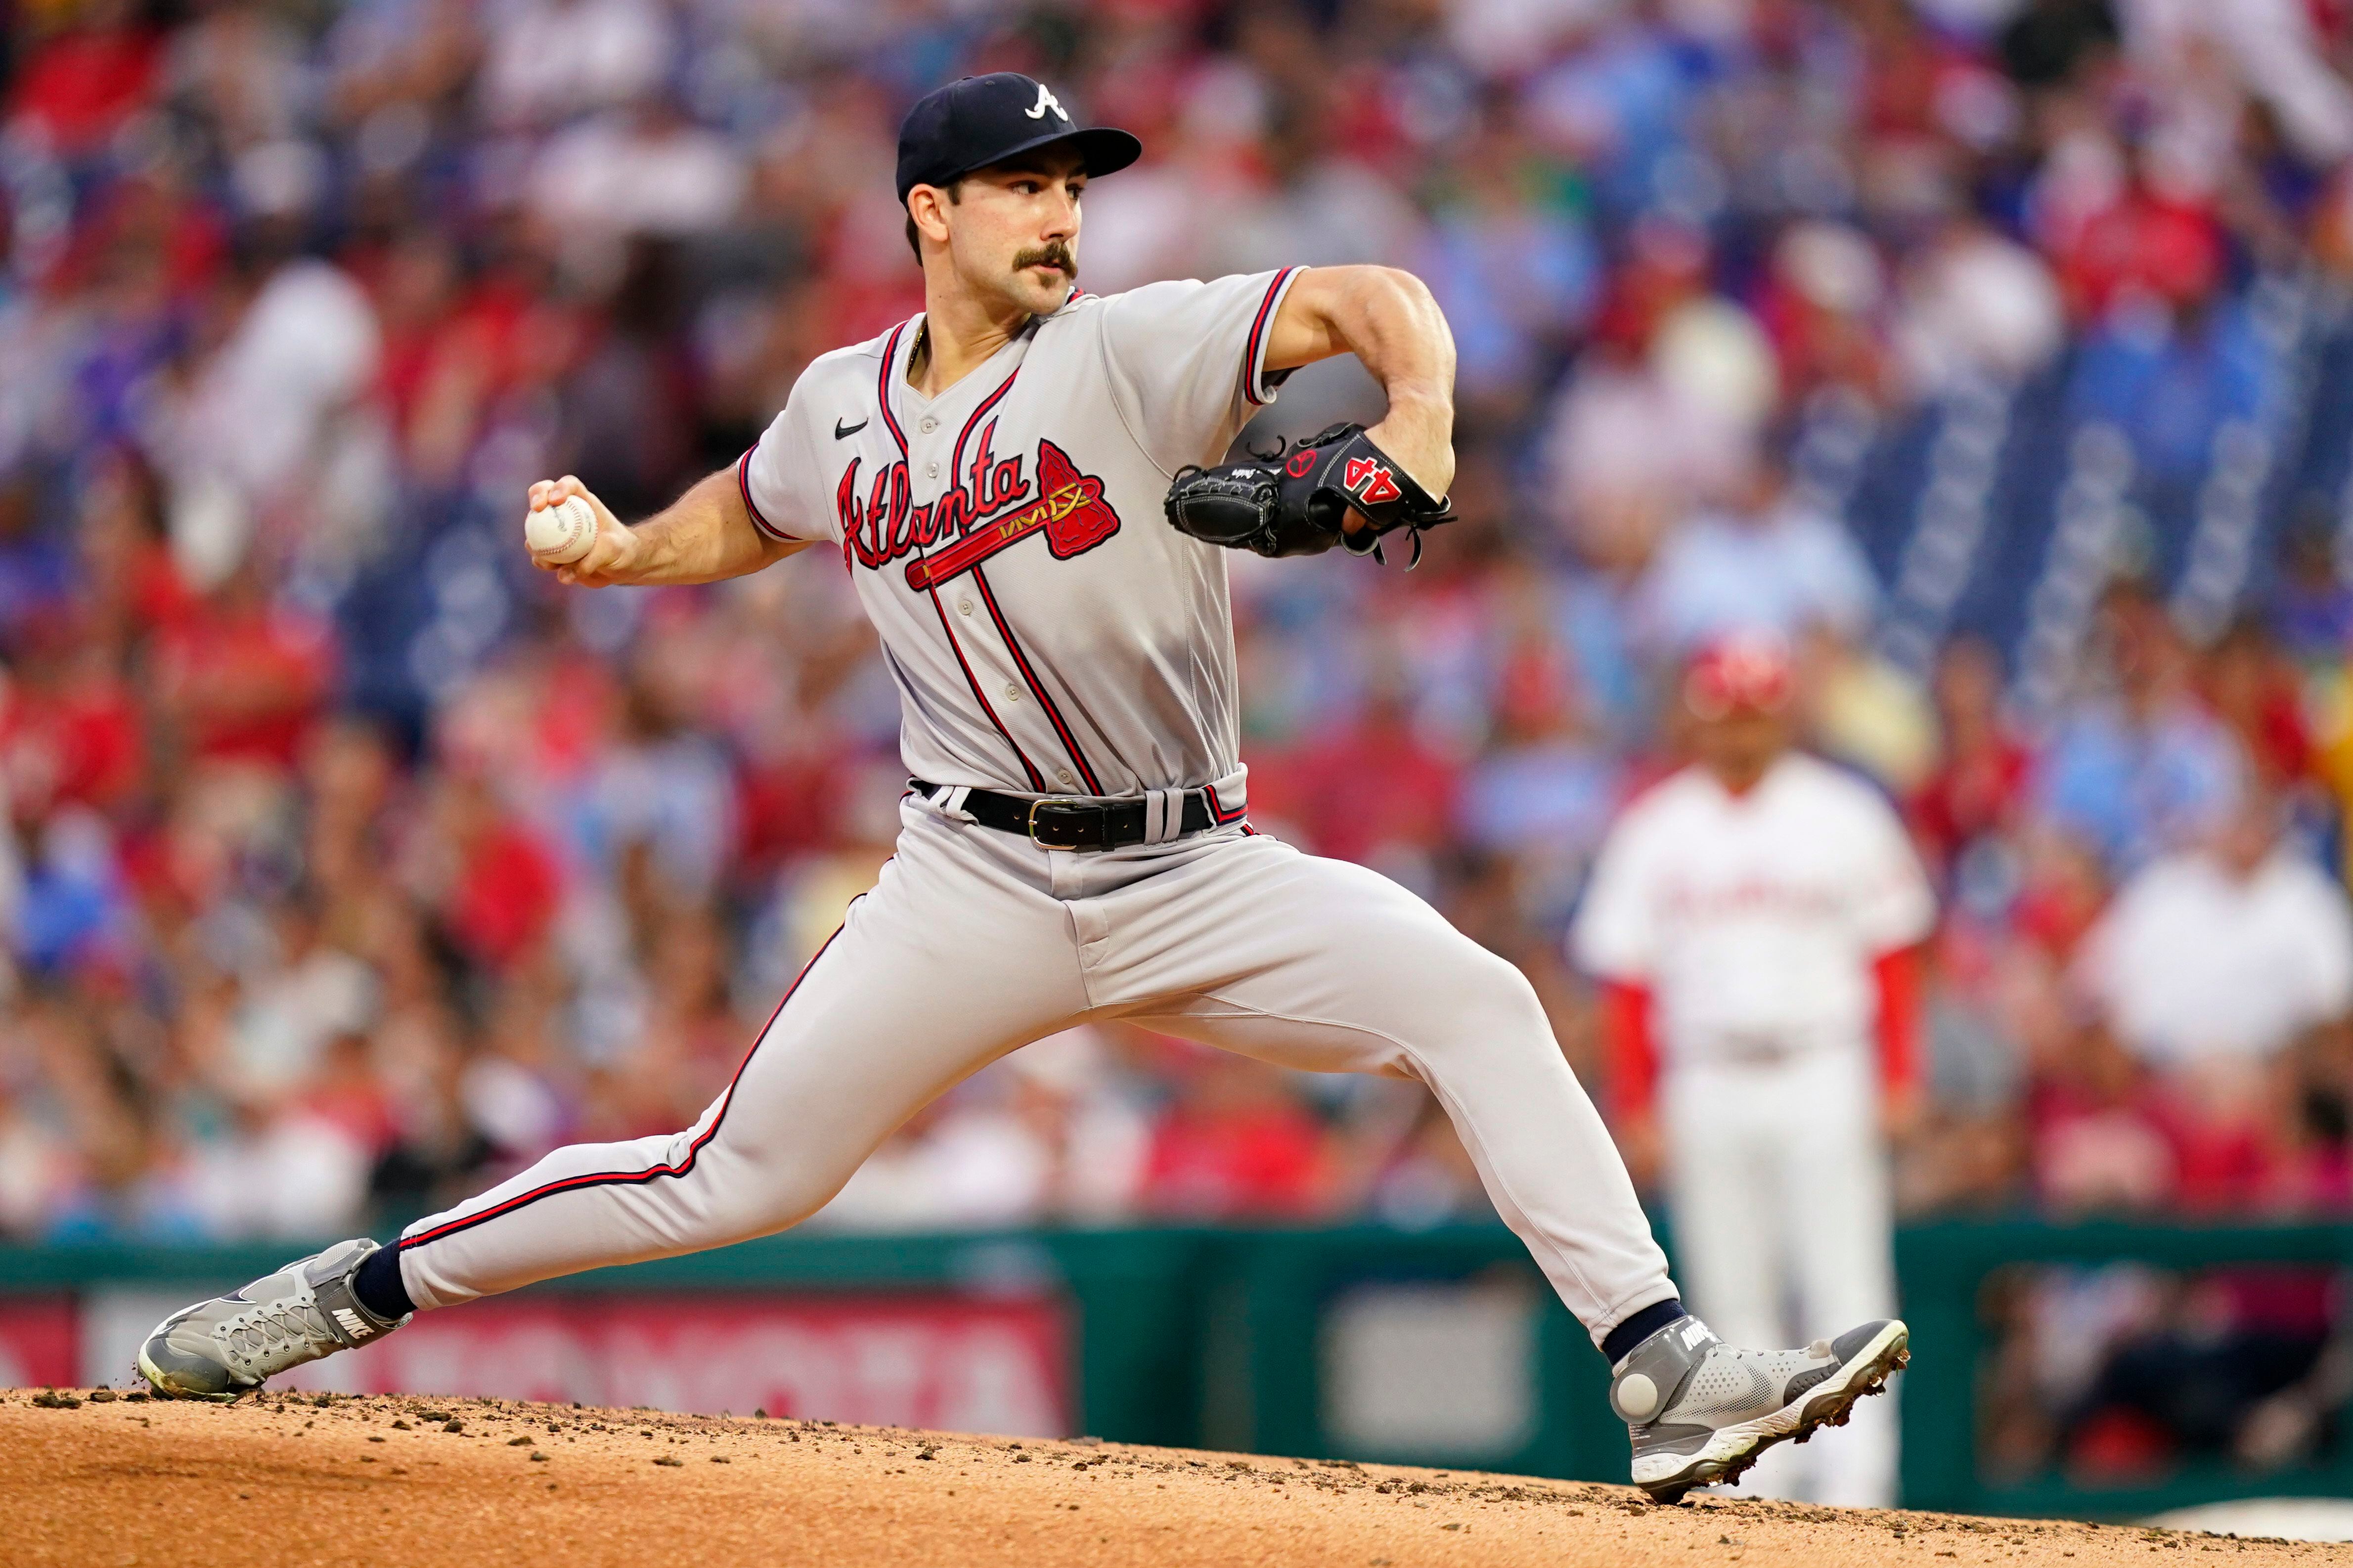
[1050, 634]
[561, 533]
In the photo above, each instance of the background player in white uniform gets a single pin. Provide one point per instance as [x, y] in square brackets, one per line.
[1754, 918]
[990, 474]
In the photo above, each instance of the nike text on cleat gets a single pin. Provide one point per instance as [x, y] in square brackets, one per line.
[232, 1344]
[1700, 1412]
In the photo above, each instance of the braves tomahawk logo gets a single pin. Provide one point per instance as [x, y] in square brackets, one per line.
[993, 504]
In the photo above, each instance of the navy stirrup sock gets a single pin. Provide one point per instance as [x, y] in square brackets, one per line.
[377, 1284]
[1617, 1344]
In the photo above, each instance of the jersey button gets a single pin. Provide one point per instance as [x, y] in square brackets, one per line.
[929, 424]
[931, 470]
[1013, 694]
[1062, 776]
[964, 607]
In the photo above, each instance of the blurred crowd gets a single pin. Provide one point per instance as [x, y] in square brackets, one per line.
[351, 865]
[2116, 1374]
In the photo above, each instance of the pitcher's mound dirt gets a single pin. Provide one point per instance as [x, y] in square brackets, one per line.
[466, 1483]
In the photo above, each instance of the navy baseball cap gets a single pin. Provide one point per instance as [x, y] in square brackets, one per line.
[978, 120]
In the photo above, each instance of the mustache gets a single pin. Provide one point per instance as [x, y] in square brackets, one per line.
[1057, 254]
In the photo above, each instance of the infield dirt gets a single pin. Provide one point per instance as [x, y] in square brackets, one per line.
[117, 1481]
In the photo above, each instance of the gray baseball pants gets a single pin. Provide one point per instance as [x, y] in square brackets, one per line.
[975, 942]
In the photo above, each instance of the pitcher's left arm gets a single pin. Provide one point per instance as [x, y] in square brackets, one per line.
[1389, 319]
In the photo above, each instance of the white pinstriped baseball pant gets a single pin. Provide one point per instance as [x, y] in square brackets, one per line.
[977, 941]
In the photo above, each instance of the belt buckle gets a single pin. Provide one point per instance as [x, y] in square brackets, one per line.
[1061, 803]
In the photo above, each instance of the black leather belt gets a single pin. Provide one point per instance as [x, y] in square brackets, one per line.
[1073, 823]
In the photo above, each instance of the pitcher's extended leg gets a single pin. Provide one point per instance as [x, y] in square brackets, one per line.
[940, 969]
[1327, 966]
[1320, 964]
[953, 960]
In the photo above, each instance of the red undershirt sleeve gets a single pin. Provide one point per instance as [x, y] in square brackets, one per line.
[1898, 976]
[1633, 1054]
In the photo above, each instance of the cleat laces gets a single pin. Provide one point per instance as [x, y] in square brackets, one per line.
[266, 1332]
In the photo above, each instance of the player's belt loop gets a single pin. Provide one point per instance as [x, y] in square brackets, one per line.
[1163, 813]
[946, 799]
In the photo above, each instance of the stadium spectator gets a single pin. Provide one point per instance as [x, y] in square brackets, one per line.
[1234, 1142]
[2217, 969]
[1769, 561]
[2227, 953]
[2139, 765]
[1978, 783]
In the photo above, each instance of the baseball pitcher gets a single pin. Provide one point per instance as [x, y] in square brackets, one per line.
[1023, 483]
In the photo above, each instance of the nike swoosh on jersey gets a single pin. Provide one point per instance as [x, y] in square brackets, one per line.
[844, 432]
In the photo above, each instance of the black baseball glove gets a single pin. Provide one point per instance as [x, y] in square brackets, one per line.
[1295, 504]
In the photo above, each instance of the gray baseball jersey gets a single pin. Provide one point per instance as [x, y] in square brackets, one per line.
[1050, 633]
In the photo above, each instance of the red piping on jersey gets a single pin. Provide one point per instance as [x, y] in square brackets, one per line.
[1219, 813]
[947, 627]
[743, 486]
[882, 387]
[988, 596]
[632, 1178]
[947, 630]
[1054, 715]
[1250, 349]
[956, 463]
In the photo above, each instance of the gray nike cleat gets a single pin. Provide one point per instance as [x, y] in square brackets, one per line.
[230, 1345]
[1700, 1412]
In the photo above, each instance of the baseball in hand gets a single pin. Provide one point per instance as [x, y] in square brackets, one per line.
[561, 533]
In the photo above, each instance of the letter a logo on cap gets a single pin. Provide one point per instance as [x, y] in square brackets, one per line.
[1046, 100]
